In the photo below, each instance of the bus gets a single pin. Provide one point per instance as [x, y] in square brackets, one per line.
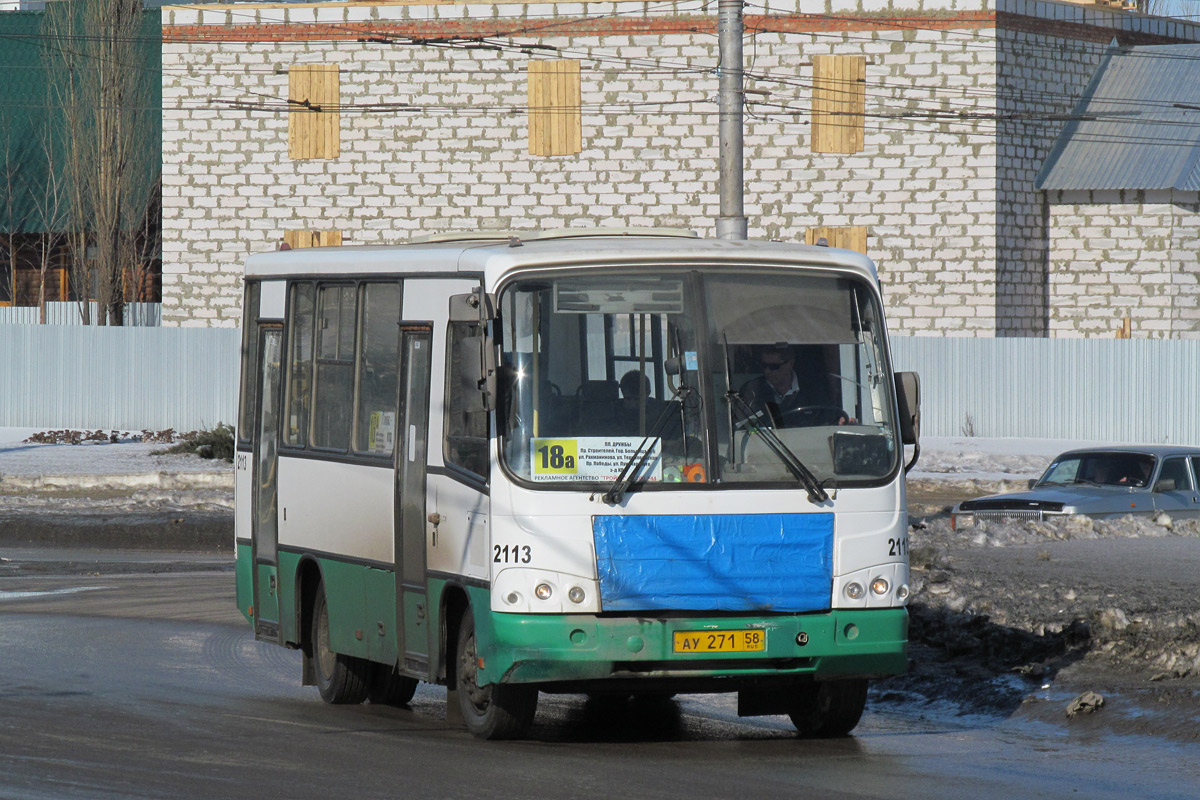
[526, 462]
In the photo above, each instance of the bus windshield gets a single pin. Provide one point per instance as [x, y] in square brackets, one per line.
[714, 376]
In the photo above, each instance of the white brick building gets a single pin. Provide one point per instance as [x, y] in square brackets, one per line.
[1122, 187]
[958, 104]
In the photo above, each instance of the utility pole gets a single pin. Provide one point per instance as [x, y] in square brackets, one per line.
[731, 224]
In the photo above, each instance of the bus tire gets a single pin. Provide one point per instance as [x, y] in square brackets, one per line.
[390, 688]
[340, 679]
[496, 711]
[829, 709]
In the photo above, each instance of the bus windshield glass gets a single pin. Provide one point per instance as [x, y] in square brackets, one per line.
[772, 377]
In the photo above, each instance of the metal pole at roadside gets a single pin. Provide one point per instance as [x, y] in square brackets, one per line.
[731, 223]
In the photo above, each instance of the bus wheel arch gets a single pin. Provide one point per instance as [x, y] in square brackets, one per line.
[453, 603]
[341, 679]
[308, 578]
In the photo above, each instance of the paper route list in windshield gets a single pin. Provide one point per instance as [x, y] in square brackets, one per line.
[592, 458]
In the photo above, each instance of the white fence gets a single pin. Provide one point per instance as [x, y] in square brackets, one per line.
[1130, 390]
[1133, 390]
[68, 313]
[56, 376]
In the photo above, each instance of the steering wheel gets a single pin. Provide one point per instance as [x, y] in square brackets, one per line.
[810, 416]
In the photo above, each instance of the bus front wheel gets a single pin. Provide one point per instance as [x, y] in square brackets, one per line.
[830, 708]
[341, 679]
[495, 711]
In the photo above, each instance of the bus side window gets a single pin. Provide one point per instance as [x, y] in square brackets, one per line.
[300, 365]
[466, 424]
[334, 380]
[378, 365]
[250, 381]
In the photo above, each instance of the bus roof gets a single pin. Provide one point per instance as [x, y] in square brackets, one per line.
[494, 255]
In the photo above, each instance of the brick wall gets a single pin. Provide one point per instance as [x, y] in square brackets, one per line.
[946, 202]
[1124, 254]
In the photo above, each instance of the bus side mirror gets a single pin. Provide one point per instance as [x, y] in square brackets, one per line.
[908, 402]
[477, 370]
[474, 306]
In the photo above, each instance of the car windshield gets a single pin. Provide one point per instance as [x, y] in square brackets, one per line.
[713, 376]
[1100, 469]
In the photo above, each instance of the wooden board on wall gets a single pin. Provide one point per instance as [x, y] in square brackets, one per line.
[298, 239]
[314, 132]
[555, 124]
[849, 238]
[839, 103]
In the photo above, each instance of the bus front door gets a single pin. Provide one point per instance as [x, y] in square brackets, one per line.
[412, 611]
[265, 532]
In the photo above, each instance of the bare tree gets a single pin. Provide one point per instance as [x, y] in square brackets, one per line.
[50, 203]
[103, 89]
[12, 204]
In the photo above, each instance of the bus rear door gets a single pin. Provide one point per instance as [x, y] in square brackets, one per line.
[265, 514]
[412, 611]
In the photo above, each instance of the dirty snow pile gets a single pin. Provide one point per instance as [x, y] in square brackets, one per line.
[105, 474]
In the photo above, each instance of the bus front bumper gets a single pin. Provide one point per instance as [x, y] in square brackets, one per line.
[529, 648]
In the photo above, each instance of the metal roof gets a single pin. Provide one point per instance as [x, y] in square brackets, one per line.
[1136, 127]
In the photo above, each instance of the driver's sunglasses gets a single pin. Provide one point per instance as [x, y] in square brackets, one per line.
[771, 366]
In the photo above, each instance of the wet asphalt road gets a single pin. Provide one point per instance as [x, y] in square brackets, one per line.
[134, 677]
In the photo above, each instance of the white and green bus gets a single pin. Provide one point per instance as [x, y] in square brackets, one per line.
[550, 462]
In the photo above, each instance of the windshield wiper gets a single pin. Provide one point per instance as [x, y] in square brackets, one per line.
[816, 493]
[637, 459]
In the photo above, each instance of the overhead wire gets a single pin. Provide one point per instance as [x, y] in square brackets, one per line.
[660, 66]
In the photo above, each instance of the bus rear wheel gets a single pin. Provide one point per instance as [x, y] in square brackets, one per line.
[495, 711]
[341, 679]
[830, 708]
[390, 688]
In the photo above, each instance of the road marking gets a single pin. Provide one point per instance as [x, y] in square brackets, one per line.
[45, 592]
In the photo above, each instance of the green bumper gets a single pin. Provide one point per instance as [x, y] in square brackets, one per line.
[528, 648]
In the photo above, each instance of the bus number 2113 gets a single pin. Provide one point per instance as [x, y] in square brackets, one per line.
[511, 554]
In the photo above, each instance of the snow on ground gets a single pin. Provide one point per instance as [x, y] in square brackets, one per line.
[21, 461]
[980, 459]
[954, 458]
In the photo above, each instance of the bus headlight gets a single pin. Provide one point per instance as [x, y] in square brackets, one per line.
[880, 586]
[575, 595]
[512, 598]
[902, 592]
[854, 590]
[543, 591]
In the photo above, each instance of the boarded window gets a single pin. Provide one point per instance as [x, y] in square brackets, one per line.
[839, 102]
[555, 128]
[314, 97]
[850, 238]
[295, 239]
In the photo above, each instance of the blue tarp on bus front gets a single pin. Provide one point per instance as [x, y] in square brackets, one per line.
[727, 562]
